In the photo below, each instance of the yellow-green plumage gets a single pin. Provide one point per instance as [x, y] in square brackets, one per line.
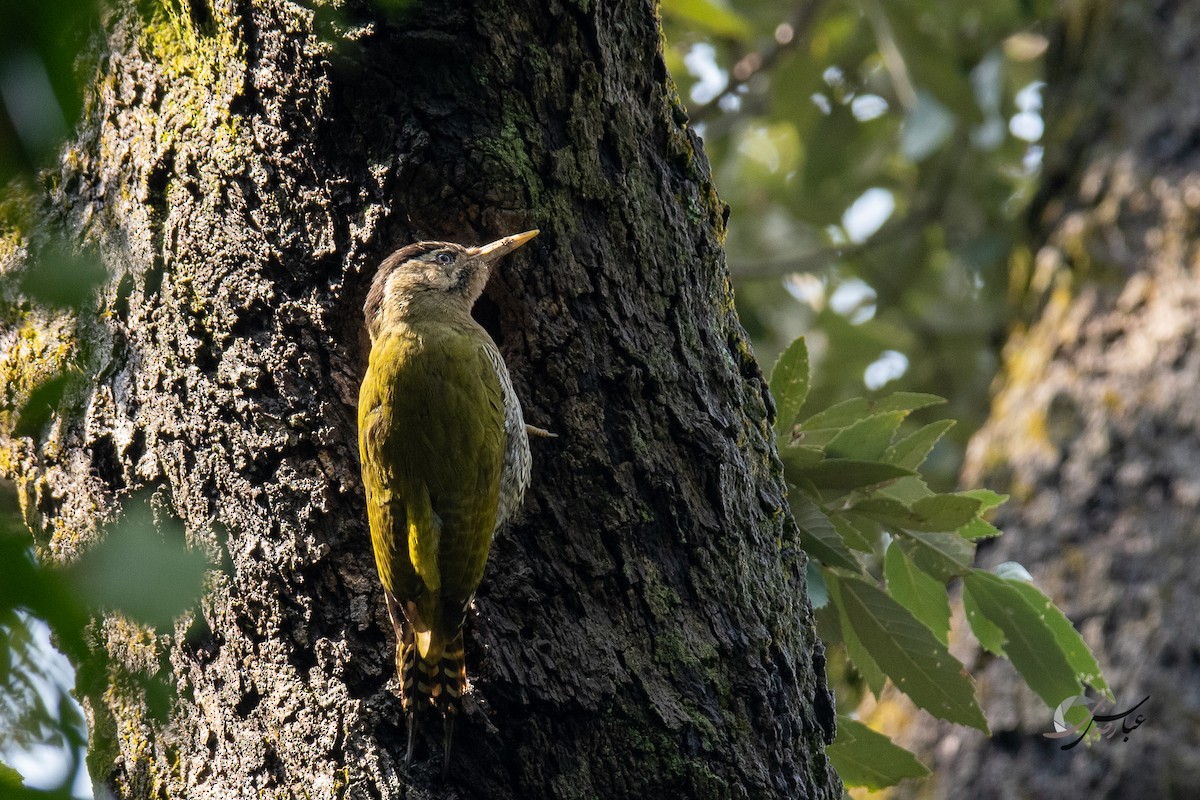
[431, 437]
[445, 457]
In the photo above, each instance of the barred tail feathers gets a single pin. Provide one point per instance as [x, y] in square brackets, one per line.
[406, 672]
[427, 684]
[406, 668]
[432, 670]
[453, 675]
[453, 684]
[439, 681]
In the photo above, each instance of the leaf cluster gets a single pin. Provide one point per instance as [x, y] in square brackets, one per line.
[884, 549]
[40, 79]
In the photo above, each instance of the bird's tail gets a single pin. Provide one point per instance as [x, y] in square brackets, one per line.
[453, 675]
[427, 683]
[435, 681]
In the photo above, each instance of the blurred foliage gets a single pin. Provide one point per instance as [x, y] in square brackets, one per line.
[35, 706]
[877, 157]
[40, 99]
[61, 276]
[140, 570]
[40, 79]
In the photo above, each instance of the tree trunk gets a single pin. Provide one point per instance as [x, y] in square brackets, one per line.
[242, 168]
[1096, 426]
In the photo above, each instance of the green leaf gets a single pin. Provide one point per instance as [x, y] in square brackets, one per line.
[945, 512]
[848, 412]
[789, 386]
[887, 510]
[863, 757]
[939, 512]
[861, 658]
[867, 439]
[911, 451]
[801, 456]
[857, 532]
[1079, 656]
[922, 594]
[907, 490]
[918, 664]
[978, 529]
[818, 592]
[986, 497]
[829, 621]
[9, 777]
[41, 405]
[989, 636]
[843, 474]
[817, 534]
[148, 574]
[814, 439]
[708, 15]
[1039, 640]
[61, 277]
[942, 555]
[863, 662]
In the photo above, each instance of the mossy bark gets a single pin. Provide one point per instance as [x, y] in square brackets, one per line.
[242, 168]
[1095, 428]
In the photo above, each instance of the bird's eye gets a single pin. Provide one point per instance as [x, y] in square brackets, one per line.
[445, 259]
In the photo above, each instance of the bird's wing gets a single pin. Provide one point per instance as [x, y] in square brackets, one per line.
[386, 510]
[514, 475]
[441, 424]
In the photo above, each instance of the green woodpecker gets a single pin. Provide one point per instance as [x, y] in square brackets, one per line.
[445, 458]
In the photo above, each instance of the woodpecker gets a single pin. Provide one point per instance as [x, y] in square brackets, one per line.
[445, 459]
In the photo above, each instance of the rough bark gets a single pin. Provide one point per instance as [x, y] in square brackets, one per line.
[1096, 426]
[242, 168]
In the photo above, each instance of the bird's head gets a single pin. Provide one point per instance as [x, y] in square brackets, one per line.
[434, 274]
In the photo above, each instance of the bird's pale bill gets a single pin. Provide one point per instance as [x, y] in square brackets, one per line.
[500, 247]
